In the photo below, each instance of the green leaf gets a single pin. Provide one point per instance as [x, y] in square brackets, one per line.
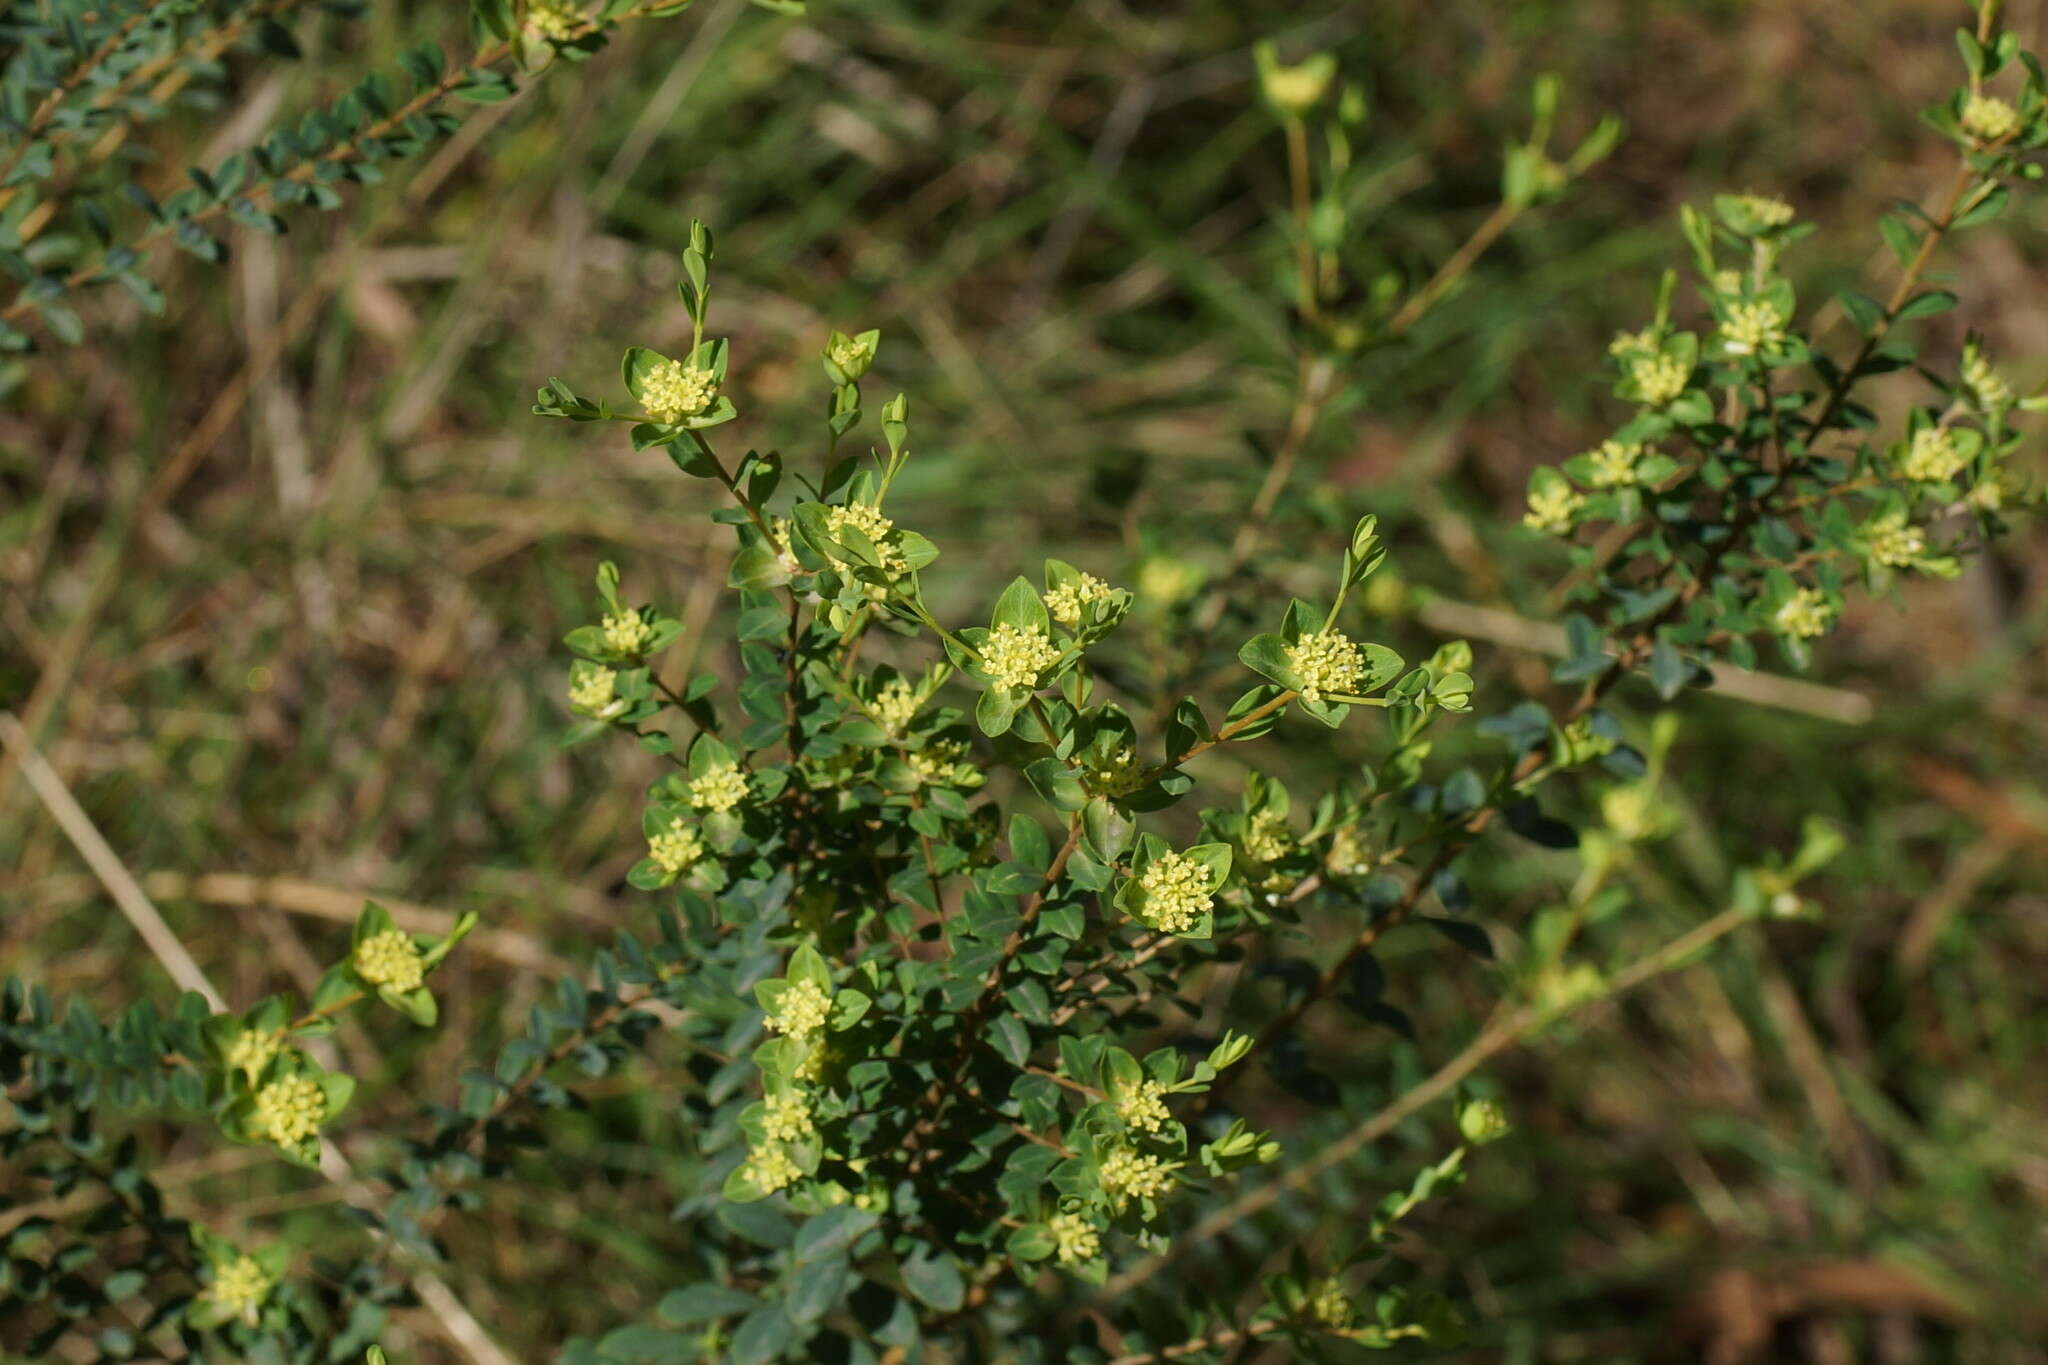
[1862, 309]
[935, 1280]
[1901, 236]
[997, 708]
[1021, 606]
[1031, 1242]
[703, 1302]
[1927, 304]
[1266, 655]
[762, 1337]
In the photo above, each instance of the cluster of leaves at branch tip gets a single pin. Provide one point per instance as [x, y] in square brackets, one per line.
[83, 76]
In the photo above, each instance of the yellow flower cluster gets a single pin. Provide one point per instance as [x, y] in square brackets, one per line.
[1892, 541]
[1766, 209]
[895, 706]
[1348, 856]
[1074, 1238]
[1067, 601]
[591, 691]
[676, 847]
[772, 1169]
[1990, 492]
[672, 390]
[1551, 508]
[1267, 838]
[1804, 615]
[787, 1118]
[240, 1286]
[1986, 383]
[626, 633]
[252, 1050]
[1145, 1107]
[722, 787]
[1331, 1306]
[1988, 118]
[1614, 463]
[1014, 657]
[867, 519]
[1932, 457]
[390, 959]
[1626, 343]
[1658, 378]
[1752, 325]
[288, 1111]
[1119, 774]
[938, 764]
[1128, 1175]
[848, 353]
[803, 1010]
[1176, 891]
[1326, 661]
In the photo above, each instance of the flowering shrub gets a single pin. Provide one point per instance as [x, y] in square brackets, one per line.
[923, 885]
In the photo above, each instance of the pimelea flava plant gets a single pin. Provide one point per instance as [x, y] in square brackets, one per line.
[950, 910]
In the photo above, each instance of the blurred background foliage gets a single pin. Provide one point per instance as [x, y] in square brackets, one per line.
[329, 667]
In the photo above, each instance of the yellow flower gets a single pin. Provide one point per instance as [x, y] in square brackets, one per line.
[240, 1286]
[895, 706]
[390, 959]
[1892, 541]
[554, 19]
[288, 1111]
[722, 787]
[1145, 1107]
[1768, 210]
[1630, 343]
[1267, 838]
[1128, 1175]
[1614, 463]
[1014, 657]
[1992, 392]
[938, 764]
[1074, 1238]
[1326, 661]
[252, 1050]
[1552, 507]
[672, 390]
[804, 1008]
[1988, 118]
[867, 519]
[1176, 891]
[592, 690]
[1752, 325]
[1119, 774]
[772, 1169]
[1804, 615]
[1067, 601]
[626, 633]
[850, 353]
[676, 847]
[1932, 457]
[1348, 856]
[787, 1118]
[1331, 1306]
[1659, 378]
[1989, 495]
